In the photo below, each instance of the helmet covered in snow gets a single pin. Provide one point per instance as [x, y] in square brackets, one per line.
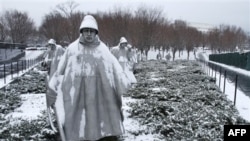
[52, 41]
[129, 46]
[89, 22]
[123, 40]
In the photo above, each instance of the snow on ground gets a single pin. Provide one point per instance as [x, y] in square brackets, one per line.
[242, 101]
[31, 107]
[33, 54]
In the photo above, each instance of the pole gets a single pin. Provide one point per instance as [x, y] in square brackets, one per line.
[11, 67]
[225, 77]
[220, 77]
[4, 75]
[235, 92]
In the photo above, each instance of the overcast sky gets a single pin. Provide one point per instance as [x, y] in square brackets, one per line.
[211, 12]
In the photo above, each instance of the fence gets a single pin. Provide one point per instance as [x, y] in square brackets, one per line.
[6, 45]
[16, 67]
[240, 60]
[240, 81]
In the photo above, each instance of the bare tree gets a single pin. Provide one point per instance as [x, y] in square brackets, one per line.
[114, 25]
[68, 11]
[204, 39]
[241, 37]
[19, 25]
[192, 37]
[173, 39]
[161, 36]
[105, 27]
[226, 38]
[53, 26]
[72, 26]
[147, 20]
[214, 39]
[144, 28]
[180, 26]
[3, 31]
[63, 23]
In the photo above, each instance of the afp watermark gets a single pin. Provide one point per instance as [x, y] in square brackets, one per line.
[239, 132]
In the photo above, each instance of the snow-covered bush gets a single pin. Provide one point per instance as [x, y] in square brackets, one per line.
[180, 102]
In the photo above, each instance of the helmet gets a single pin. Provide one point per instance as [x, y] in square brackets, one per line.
[123, 40]
[129, 46]
[89, 22]
[52, 41]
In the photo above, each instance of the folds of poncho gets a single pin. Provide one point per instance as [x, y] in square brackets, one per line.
[124, 56]
[92, 84]
[52, 58]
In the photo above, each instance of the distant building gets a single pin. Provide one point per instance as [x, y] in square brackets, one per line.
[201, 26]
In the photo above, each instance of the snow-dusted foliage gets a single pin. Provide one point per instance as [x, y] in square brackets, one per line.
[178, 101]
[171, 101]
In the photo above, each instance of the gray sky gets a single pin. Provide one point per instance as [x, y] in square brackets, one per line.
[209, 12]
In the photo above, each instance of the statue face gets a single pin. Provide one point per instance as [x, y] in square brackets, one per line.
[52, 46]
[89, 34]
[123, 45]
